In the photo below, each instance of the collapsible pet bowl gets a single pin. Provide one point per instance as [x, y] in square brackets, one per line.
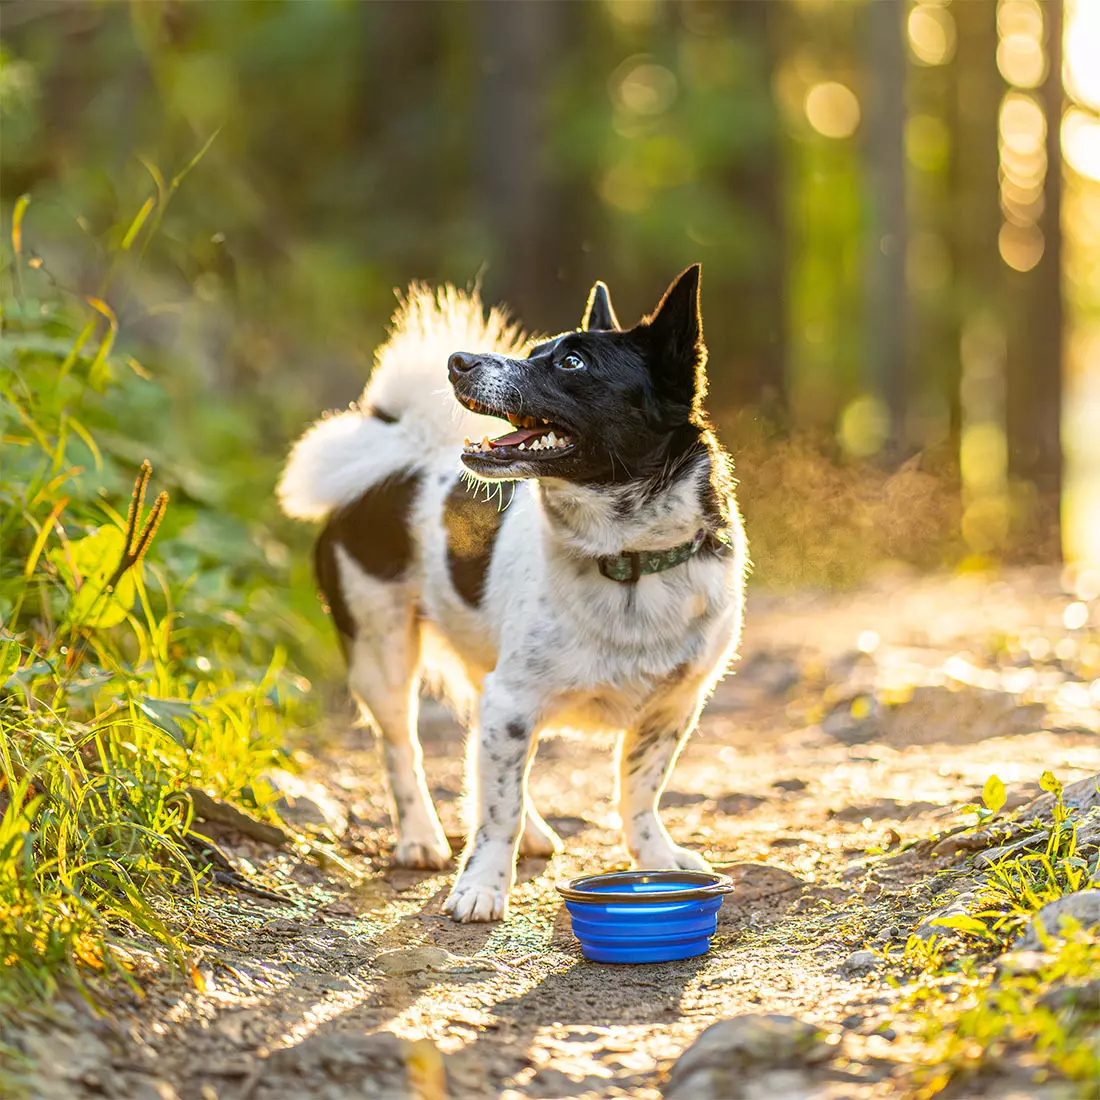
[645, 916]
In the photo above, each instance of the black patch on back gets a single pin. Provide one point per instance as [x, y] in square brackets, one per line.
[327, 571]
[374, 531]
[472, 515]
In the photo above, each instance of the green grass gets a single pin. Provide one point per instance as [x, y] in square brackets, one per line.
[968, 1016]
[143, 645]
[970, 1020]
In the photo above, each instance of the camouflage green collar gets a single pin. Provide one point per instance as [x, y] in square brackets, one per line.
[628, 567]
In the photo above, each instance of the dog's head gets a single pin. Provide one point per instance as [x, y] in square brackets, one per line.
[599, 404]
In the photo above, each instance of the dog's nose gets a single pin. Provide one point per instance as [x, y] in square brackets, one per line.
[461, 363]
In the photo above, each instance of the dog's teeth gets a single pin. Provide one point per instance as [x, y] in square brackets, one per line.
[553, 439]
[522, 446]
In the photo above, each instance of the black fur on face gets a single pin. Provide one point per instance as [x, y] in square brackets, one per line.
[628, 402]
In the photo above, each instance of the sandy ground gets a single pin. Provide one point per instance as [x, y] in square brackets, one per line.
[810, 769]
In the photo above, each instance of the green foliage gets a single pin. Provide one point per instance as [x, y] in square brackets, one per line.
[967, 1016]
[968, 1023]
[993, 794]
[1039, 867]
[140, 653]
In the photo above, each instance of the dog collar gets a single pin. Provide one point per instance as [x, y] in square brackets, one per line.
[627, 567]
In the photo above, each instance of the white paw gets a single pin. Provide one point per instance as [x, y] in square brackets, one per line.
[426, 854]
[476, 902]
[671, 855]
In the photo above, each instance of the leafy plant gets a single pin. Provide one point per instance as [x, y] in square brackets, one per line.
[130, 665]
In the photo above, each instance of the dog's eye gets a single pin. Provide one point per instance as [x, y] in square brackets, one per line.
[572, 362]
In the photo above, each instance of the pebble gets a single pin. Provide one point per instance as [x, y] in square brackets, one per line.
[960, 906]
[859, 963]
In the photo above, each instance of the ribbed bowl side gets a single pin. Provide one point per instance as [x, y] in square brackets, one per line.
[644, 933]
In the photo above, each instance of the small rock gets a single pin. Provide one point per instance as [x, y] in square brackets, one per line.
[1072, 996]
[414, 960]
[341, 1056]
[959, 906]
[1022, 962]
[853, 721]
[280, 926]
[550, 1083]
[1082, 907]
[229, 1067]
[859, 963]
[884, 809]
[304, 802]
[886, 935]
[793, 784]
[63, 1056]
[714, 1065]
[672, 799]
[736, 804]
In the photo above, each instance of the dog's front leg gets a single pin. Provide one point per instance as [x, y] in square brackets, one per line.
[647, 756]
[501, 753]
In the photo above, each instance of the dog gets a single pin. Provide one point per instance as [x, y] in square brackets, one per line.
[584, 568]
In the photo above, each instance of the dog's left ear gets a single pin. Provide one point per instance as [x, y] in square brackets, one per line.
[599, 314]
[676, 329]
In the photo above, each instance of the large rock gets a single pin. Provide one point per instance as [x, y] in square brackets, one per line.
[717, 1065]
[1082, 907]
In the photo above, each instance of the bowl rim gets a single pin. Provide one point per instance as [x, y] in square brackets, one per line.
[709, 884]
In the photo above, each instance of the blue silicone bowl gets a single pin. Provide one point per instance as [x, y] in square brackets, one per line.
[645, 916]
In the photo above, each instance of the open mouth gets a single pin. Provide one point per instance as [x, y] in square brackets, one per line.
[532, 436]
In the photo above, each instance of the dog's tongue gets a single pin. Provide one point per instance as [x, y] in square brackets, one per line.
[522, 435]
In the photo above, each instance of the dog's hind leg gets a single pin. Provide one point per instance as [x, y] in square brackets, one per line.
[384, 677]
[647, 756]
[538, 840]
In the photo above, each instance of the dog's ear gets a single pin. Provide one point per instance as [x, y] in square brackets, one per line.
[676, 331]
[599, 314]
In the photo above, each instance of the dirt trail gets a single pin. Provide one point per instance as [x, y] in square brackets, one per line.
[798, 769]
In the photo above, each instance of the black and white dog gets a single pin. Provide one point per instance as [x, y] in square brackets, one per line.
[590, 573]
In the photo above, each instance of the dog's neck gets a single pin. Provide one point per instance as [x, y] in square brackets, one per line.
[647, 514]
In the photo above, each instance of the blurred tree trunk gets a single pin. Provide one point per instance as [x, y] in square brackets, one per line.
[976, 159]
[1034, 393]
[884, 152]
[516, 46]
[755, 341]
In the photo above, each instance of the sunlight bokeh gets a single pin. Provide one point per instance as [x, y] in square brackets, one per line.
[1080, 137]
[832, 109]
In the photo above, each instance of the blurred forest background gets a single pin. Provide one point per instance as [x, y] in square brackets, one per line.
[897, 206]
[207, 206]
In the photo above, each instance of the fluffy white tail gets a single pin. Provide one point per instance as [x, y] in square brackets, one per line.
[344, 454]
